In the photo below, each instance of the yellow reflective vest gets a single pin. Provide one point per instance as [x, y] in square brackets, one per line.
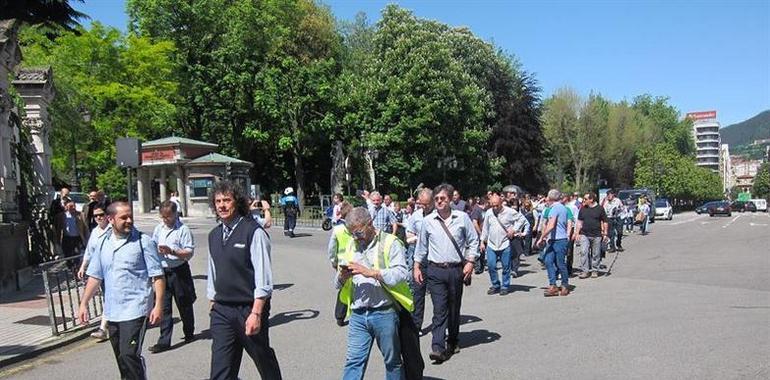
[344, 239]
[400, 292]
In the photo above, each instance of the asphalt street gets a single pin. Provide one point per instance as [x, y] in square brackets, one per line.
[691, 300]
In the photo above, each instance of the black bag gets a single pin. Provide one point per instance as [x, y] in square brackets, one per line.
[409, 337]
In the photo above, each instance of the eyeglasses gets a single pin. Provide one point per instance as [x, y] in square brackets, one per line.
[98, 215]
[440, 198]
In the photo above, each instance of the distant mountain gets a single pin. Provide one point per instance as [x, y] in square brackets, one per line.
[745, 132]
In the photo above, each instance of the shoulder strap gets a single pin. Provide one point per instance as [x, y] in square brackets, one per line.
[452, 238]
[499, 222]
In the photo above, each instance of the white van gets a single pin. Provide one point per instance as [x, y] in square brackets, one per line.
[760, 203]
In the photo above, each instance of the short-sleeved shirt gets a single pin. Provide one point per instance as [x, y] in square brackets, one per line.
[559, 212]
[177, 237]
[126, 267]
[592, 218]
[477, 214]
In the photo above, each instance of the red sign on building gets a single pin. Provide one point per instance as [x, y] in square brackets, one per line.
[704, 115]
[167, 154]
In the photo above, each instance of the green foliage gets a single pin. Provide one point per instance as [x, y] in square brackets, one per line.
[123, 83]
[745, 132]
[761, 188]
[662, 168]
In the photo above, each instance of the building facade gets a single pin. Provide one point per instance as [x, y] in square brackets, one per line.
[744, 171]
[707, 140]
[726, 168]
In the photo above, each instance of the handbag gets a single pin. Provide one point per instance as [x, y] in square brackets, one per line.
[467, 281]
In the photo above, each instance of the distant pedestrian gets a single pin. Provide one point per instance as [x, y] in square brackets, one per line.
[449, 244]
[337, 200]
[57, 204]
[383, 218]
[457, 202]
[290, 206]
[101, 229]
[239, 287]
[499, 228]
[128, 264]
[177, 201]
[644, 210]
[613, 207]
[414, 226]
[557, 235]
[522, 229]
[71, 231]
[260, 211]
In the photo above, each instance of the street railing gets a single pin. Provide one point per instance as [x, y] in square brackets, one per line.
[311, 216]
[63, 292]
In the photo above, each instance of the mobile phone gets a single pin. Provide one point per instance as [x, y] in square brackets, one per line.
[344, 267]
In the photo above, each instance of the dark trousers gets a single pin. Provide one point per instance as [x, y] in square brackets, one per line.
[70, 246]
[180, 286]
[570, 255]
[126, 338]
[418, 294]
[229, 339]
[340, 309]
[289, 223]
[446, 293]
[616, 233]
[517, 249]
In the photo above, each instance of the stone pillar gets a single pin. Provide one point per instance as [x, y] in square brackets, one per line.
[162, 187]
[180, 188]
[35, 86]
[140, 191]
[10, 56]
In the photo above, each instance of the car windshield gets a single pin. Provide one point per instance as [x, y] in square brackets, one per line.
[661, 203]
[78, 197]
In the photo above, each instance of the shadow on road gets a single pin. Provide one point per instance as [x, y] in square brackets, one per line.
[282, 286]
[521, 288]
[477, 337]
[291, 316]
[464, 319]
[302, 235]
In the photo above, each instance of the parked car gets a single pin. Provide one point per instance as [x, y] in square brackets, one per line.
[663, 209]
[743, 206]
[760, 203]
[720, 208]
[704, 208]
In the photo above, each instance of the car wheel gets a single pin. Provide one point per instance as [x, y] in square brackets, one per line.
[729, 215]
[711, 215]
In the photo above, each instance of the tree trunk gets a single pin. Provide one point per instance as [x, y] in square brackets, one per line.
[338, 168]
[299, 173]
[370, 169]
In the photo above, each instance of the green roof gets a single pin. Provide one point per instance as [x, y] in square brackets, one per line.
[173, 140]
[216, 158]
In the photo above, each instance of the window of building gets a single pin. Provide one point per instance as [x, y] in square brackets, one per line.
[200, 186]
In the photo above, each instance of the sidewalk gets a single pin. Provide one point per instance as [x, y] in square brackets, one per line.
[25, 328]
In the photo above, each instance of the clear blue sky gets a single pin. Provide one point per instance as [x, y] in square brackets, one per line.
[704, 55]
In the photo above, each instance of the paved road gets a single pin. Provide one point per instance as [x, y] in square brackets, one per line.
[689, 301]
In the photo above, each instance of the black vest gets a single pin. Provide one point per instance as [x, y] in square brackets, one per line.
[234, 273]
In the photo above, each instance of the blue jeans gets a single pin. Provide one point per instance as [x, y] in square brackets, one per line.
[556, 261]
[505, 257]
[364, 327]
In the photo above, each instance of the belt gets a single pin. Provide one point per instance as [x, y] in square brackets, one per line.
[445, 265]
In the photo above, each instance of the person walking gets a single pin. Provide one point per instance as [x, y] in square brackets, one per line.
[239, 287]
[499, 227]
[449, 244]
[373, 283]
[476, 213]
[613, 207]
[557, 234]
[290, 206]
[591, 230]
[522, 229]
[644, 209]
[102, 227]
[176, 247]
[71, 232]
[338, 243]
[457, 202]
[414, 226]
[383, 218]
[57, 204]
[128, 264]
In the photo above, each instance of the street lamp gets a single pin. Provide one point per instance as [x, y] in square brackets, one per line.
[76, 180]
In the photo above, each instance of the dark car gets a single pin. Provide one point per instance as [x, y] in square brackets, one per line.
[742, 206]
[720, 208]
[704, 208]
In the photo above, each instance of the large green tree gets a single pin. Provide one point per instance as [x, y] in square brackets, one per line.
[124, 84]
[761, 188]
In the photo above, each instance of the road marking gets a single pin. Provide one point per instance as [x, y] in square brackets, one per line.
[732, 221]
[685, 221]
[757, 224]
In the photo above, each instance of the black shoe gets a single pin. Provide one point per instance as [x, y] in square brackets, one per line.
[492, 291]
[504, 292]
[190, 339]
[620, 249]
[341, 322]
[438, 357]
[158, 348]
[453, 349]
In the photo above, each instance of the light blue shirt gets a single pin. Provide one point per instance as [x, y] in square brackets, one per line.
[382, 218]
[176, 237]
[414, 223]
[435, 245]
[259, 255]
[126, 267]
[70, 225]
[368, 292]
[93, 241]
[558, 212]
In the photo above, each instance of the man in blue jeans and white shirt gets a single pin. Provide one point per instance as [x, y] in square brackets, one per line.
[501, 224]
[372, 313]
[557, 234]
[128, 263]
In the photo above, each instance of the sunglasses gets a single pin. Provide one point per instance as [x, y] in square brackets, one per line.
[440, 198]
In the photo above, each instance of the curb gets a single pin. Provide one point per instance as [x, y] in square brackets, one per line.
[49, 345]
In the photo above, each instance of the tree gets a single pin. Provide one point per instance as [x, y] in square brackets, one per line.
[47, 13]
[761, 188]
[123, 83]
